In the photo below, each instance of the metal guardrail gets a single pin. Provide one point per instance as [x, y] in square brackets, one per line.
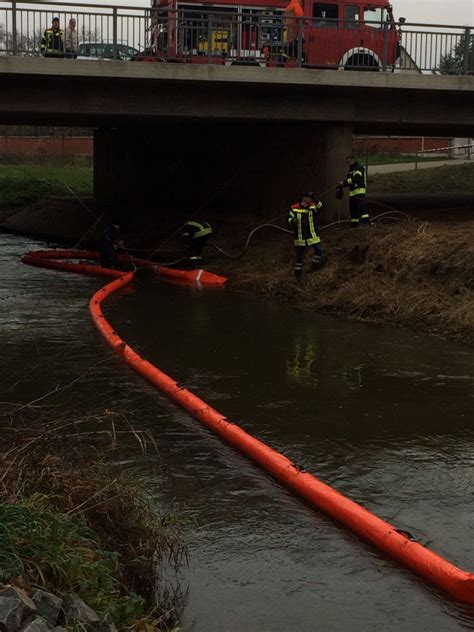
[251, 36]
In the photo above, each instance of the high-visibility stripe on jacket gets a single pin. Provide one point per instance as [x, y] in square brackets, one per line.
[52, 42]
[192, 230]
[356, 180]
[303, 221]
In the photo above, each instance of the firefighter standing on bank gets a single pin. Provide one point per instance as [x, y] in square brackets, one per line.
[195, 235]
[356, 181]
[302, 218]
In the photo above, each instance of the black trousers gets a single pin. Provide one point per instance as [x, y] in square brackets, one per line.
[299, 255]
[194, 249]
[358, 210]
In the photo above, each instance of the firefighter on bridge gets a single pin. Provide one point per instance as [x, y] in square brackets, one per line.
[52, 44]
[303, 219]
[356, 181]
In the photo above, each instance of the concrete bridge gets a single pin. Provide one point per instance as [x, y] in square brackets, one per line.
[250, 138]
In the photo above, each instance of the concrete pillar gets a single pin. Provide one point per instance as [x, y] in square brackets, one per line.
[252, 168]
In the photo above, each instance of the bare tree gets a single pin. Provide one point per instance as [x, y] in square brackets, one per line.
[90, 34]
[3, 38]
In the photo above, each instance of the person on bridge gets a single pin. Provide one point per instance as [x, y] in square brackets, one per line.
[109, 243]
[293, 11]
[302, 218]
[195, 236]
[356, 181]
[71, 40]
[52, 44]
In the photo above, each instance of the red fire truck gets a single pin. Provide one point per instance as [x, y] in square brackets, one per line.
[345, 34]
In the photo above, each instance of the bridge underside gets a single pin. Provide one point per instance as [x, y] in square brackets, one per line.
[255, 168]
[241, 138]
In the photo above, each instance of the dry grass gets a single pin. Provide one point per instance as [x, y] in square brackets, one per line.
[409, 274]
[42, 464]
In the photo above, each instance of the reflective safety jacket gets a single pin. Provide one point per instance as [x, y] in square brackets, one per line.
[356, 180]
[302, 218]
[52, 42]
[194, 230]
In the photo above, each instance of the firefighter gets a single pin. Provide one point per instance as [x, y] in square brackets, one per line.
[356, 180]
[195, 236]
[52, 44]
[109, 243]
[302, 218]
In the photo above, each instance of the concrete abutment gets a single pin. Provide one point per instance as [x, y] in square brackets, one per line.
[240, 167]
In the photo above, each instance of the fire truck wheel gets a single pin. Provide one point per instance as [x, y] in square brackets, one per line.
[362, 62]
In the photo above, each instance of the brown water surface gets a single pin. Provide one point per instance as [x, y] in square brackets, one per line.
[384, 416]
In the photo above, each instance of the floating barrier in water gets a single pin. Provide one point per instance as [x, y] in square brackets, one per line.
[369, 527]
[62, 260]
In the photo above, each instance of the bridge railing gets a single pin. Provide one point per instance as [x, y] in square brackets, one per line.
[251, 37]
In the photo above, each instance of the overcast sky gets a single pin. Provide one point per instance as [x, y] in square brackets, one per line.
[456, 12]
[435, 11]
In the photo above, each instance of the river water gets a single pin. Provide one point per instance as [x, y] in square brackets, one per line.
[383, 415]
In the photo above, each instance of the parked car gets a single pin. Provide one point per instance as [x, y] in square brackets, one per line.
[105, 50]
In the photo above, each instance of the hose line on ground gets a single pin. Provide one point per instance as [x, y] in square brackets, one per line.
[387, 215]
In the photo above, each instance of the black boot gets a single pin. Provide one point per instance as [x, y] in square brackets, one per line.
[298, 274]
[318, 263]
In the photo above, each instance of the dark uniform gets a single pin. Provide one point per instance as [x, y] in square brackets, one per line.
[302, 218]
[195, 235]
[357, 182]
[108, 244]
[52, 43]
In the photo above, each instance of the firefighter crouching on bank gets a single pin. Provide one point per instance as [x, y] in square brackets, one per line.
[302, 218]
[195, 236]
[356, 181]
[108, 245]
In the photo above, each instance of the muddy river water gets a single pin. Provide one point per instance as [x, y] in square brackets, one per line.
[383, 415]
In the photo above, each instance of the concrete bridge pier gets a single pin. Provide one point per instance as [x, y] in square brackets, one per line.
[256, 168]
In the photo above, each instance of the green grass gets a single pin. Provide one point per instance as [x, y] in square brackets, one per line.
[446, 179]
[21, 185]
[48, 548]
[395, 159]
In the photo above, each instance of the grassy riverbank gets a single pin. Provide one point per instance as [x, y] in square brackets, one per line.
[446, 179]
[21, 185]
[69, 523]
[417, 273]
[413, 274]
[393, 159]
